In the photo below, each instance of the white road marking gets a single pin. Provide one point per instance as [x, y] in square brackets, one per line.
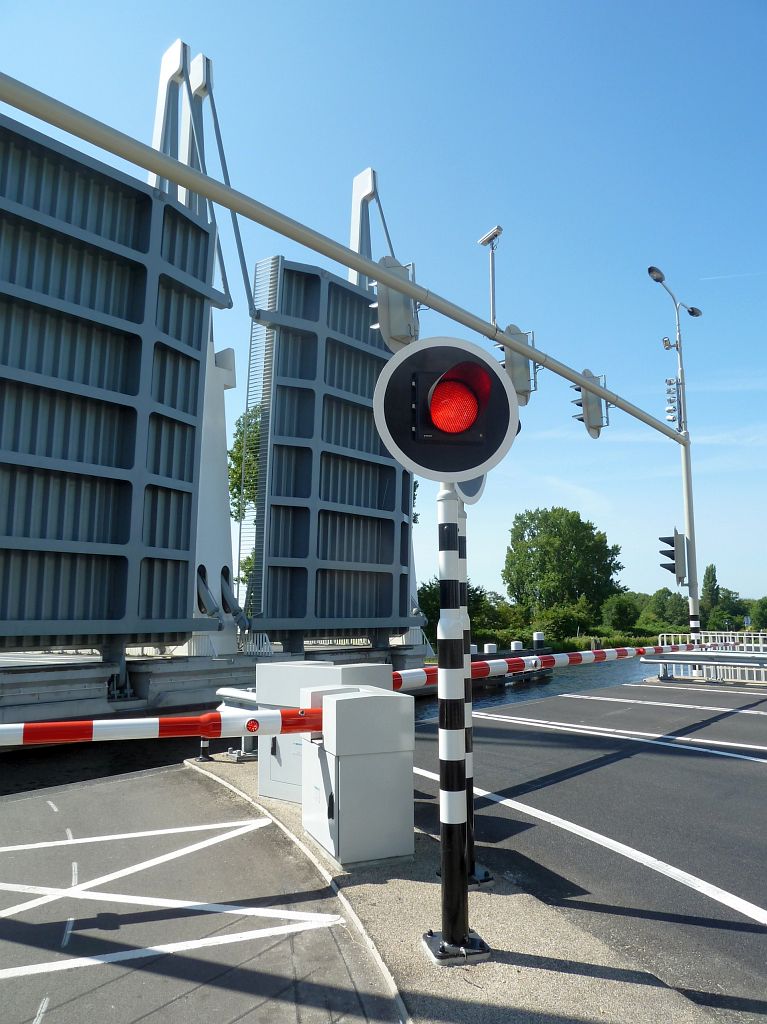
[52, 806]
[727, 899]
[67, 932]
[698, 689]
[73, 963]
[132, 835]
[74, 872]
[162, 902]
[655, 738]
[662, 704]
[41, 1010]
[163, 859]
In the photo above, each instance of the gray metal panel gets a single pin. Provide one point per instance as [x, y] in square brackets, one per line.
[105, 295]
[332, 517]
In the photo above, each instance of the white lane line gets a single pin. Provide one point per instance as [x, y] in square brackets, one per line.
[69, 841]
[170, 904]
[699, 689]
[104, 879]
[655, 738]
[663, 704]
[73, 963]
[67, 932]
[727, 899]
[74, 873]
[41, 1010]
[52, 806]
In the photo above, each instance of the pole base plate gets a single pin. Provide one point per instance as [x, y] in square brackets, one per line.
[444, 954]
[480, 878]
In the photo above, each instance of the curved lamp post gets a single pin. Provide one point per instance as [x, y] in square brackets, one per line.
[689, 516]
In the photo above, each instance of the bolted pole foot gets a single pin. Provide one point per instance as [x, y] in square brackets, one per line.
[474, 951]
[480, 878]
[204, 753]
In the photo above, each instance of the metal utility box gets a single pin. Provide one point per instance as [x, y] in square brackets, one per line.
[279, 685]
[357, 778]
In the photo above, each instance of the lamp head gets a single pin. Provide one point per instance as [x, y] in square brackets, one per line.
[657, 275]
[694, 311]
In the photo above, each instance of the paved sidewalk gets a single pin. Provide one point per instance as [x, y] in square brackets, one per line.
[544, 969]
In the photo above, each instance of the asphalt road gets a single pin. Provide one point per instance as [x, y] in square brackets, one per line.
[100, 880]
[684, 785]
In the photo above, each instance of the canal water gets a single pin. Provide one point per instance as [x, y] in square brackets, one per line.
[576, 679]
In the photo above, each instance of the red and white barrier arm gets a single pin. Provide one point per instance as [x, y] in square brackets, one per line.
[226, 722]
[420, 678]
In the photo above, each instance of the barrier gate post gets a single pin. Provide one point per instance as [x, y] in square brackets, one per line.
[455, 943]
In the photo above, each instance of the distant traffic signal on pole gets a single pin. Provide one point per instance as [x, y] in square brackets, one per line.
[445, 409]
[675, 549]
[521, 372]
[396, 313]
[593, 410]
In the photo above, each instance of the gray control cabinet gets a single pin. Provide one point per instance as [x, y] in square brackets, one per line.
[279, 685]
[105, 300]
[357, 778]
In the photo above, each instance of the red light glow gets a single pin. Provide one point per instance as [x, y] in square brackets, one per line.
[453, 407]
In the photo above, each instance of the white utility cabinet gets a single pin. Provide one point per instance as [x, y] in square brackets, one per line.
[279, 685]
[357, 777]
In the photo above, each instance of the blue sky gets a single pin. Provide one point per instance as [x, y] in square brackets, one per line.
[603, 135]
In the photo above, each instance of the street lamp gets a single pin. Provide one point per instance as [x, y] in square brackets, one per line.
[681, 418]
[490, 238]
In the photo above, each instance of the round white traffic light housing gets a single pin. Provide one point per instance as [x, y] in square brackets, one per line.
[445, 409]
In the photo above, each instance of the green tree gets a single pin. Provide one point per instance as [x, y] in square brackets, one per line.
[665, 612]
[246, 568]
[555, 557]
[758, 613]
[563, 620]
[729, 611]
[488, 611]
[243, 463]
[620, 612]
[709, 594]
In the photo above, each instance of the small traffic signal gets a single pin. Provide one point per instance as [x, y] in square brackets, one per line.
[593, 415]
[521, 374]
[676, 550]
[397, 317]
[445, 409]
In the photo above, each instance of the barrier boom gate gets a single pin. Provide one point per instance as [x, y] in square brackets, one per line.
[419, 678]
[224, 723]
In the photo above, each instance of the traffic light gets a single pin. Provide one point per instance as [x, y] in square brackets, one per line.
[445, 409]
[593, 415]
[523, 377]
[397, 317]
[675, 549]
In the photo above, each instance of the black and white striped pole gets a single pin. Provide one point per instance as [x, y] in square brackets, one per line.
[463, 418]
[455, 943]
[477, 874]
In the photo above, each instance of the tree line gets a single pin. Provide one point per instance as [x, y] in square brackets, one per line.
[561, 575]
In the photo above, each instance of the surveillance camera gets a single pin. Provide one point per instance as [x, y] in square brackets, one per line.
[667, 343]
[491, 235]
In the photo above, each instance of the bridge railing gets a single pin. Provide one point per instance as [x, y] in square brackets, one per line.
[728, 643]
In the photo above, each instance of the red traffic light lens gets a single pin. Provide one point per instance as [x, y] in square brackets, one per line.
[453, 407]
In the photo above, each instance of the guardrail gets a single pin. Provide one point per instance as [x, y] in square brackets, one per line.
[730, 658]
